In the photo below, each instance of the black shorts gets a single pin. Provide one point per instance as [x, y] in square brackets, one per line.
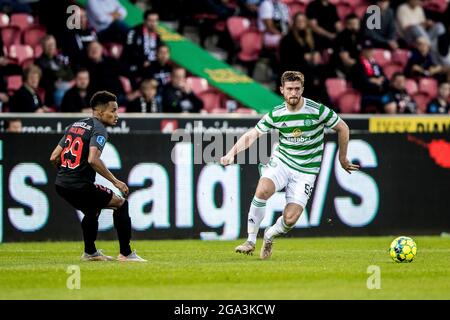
[90, 199]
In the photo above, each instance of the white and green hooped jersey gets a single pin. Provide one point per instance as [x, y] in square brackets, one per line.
[300, 133]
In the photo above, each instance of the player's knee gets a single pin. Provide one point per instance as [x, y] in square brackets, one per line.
[292, 214]
[116, 202]
[265, 190]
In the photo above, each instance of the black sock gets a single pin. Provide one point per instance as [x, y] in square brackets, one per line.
[89, 224]
[122, 223]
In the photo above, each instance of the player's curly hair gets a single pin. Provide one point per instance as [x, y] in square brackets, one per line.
[292, 76]
[102, 98]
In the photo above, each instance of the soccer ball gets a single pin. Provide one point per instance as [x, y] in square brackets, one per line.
[403, 249]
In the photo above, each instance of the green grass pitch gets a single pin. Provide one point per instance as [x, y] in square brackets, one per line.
[300, 268]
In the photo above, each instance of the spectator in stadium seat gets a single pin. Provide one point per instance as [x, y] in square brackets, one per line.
[442, 50]
[56, 71]
[77, 98]
[298, 46]
[178, 95]
[14, 125]
[161, 69]
[413, 23]
[421, 62]
[142, 45]
[27, 99]
[249, 8]
[441, 104]
[385, 36]
[348, 45]
[273, 21]
[397, 100]
[148, 101]
[368, 77]
[104, 72]
[324, 21]
[76, 40]
[106, 17]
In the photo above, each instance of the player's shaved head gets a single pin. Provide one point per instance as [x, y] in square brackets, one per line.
[101, 99]
[290, 76]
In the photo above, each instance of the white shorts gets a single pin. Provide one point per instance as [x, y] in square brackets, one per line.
[299, 185]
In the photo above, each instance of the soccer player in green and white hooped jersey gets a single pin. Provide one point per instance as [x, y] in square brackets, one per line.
[295, 162]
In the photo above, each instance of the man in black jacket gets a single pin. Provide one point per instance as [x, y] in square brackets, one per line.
[141, 45]
[76, 99]
[178, 96]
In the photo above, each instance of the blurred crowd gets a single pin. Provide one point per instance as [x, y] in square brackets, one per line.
[394, 59]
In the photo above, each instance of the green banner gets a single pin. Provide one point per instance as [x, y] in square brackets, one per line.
[202, 64]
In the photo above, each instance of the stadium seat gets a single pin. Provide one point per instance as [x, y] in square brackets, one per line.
[37, 51]
[245, 111]
[422, 100]
[353, 3]
[10, 35]
[382, 56]
[113, 50]
[126, 84]
[218, 110]
[251, 45]
[33, 35]
[401, 56]
[335, 87]
[391, 68]
[237, 26]
[295, 7]
[13, 82]
[20, 52]
[350, 101]
[335, 2]
[436, 5]
[211, 100]
[21, 20]
[27, 62]
[428, 86]
[411, 86]
[4, 20]
[197, 84]
[360, 10]
[343, 10]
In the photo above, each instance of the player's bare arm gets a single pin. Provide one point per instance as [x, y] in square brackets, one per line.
[55, 157]
[97, 164]
[343, 136]
[242, 144]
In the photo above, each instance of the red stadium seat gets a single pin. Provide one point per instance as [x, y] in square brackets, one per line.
[245, 111]
[113, 50]
[27, 62]
[343, 10]
[335, 87]
[211, 100]
[37, 51]
[382, 56]
[218, 110]
[391, 68]
[401, 56]
[411, 86]
[428, 86]
[20, 52]
[10, 35]
[360, 10]
[21, 20]
[237, 26]
[436, 5]
[251, 45]
[4, 20]
[422, 100]
[126, 84]
[13, 82]
[350, 101]
[33, 35]
[296, 7]
[353, 3]
[335, 2]
[197, 84]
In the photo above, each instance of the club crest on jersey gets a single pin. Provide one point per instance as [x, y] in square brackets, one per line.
[296, 133]
[101, 140]
[308, 122]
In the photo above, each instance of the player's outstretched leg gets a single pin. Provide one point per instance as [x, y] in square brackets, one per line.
[89, 224]
[283, 224]
[256, 214]
[122, 223]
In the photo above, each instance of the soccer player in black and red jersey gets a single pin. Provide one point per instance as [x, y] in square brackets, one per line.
[77, 157]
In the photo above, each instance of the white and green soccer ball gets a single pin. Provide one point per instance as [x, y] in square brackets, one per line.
[403, 249]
